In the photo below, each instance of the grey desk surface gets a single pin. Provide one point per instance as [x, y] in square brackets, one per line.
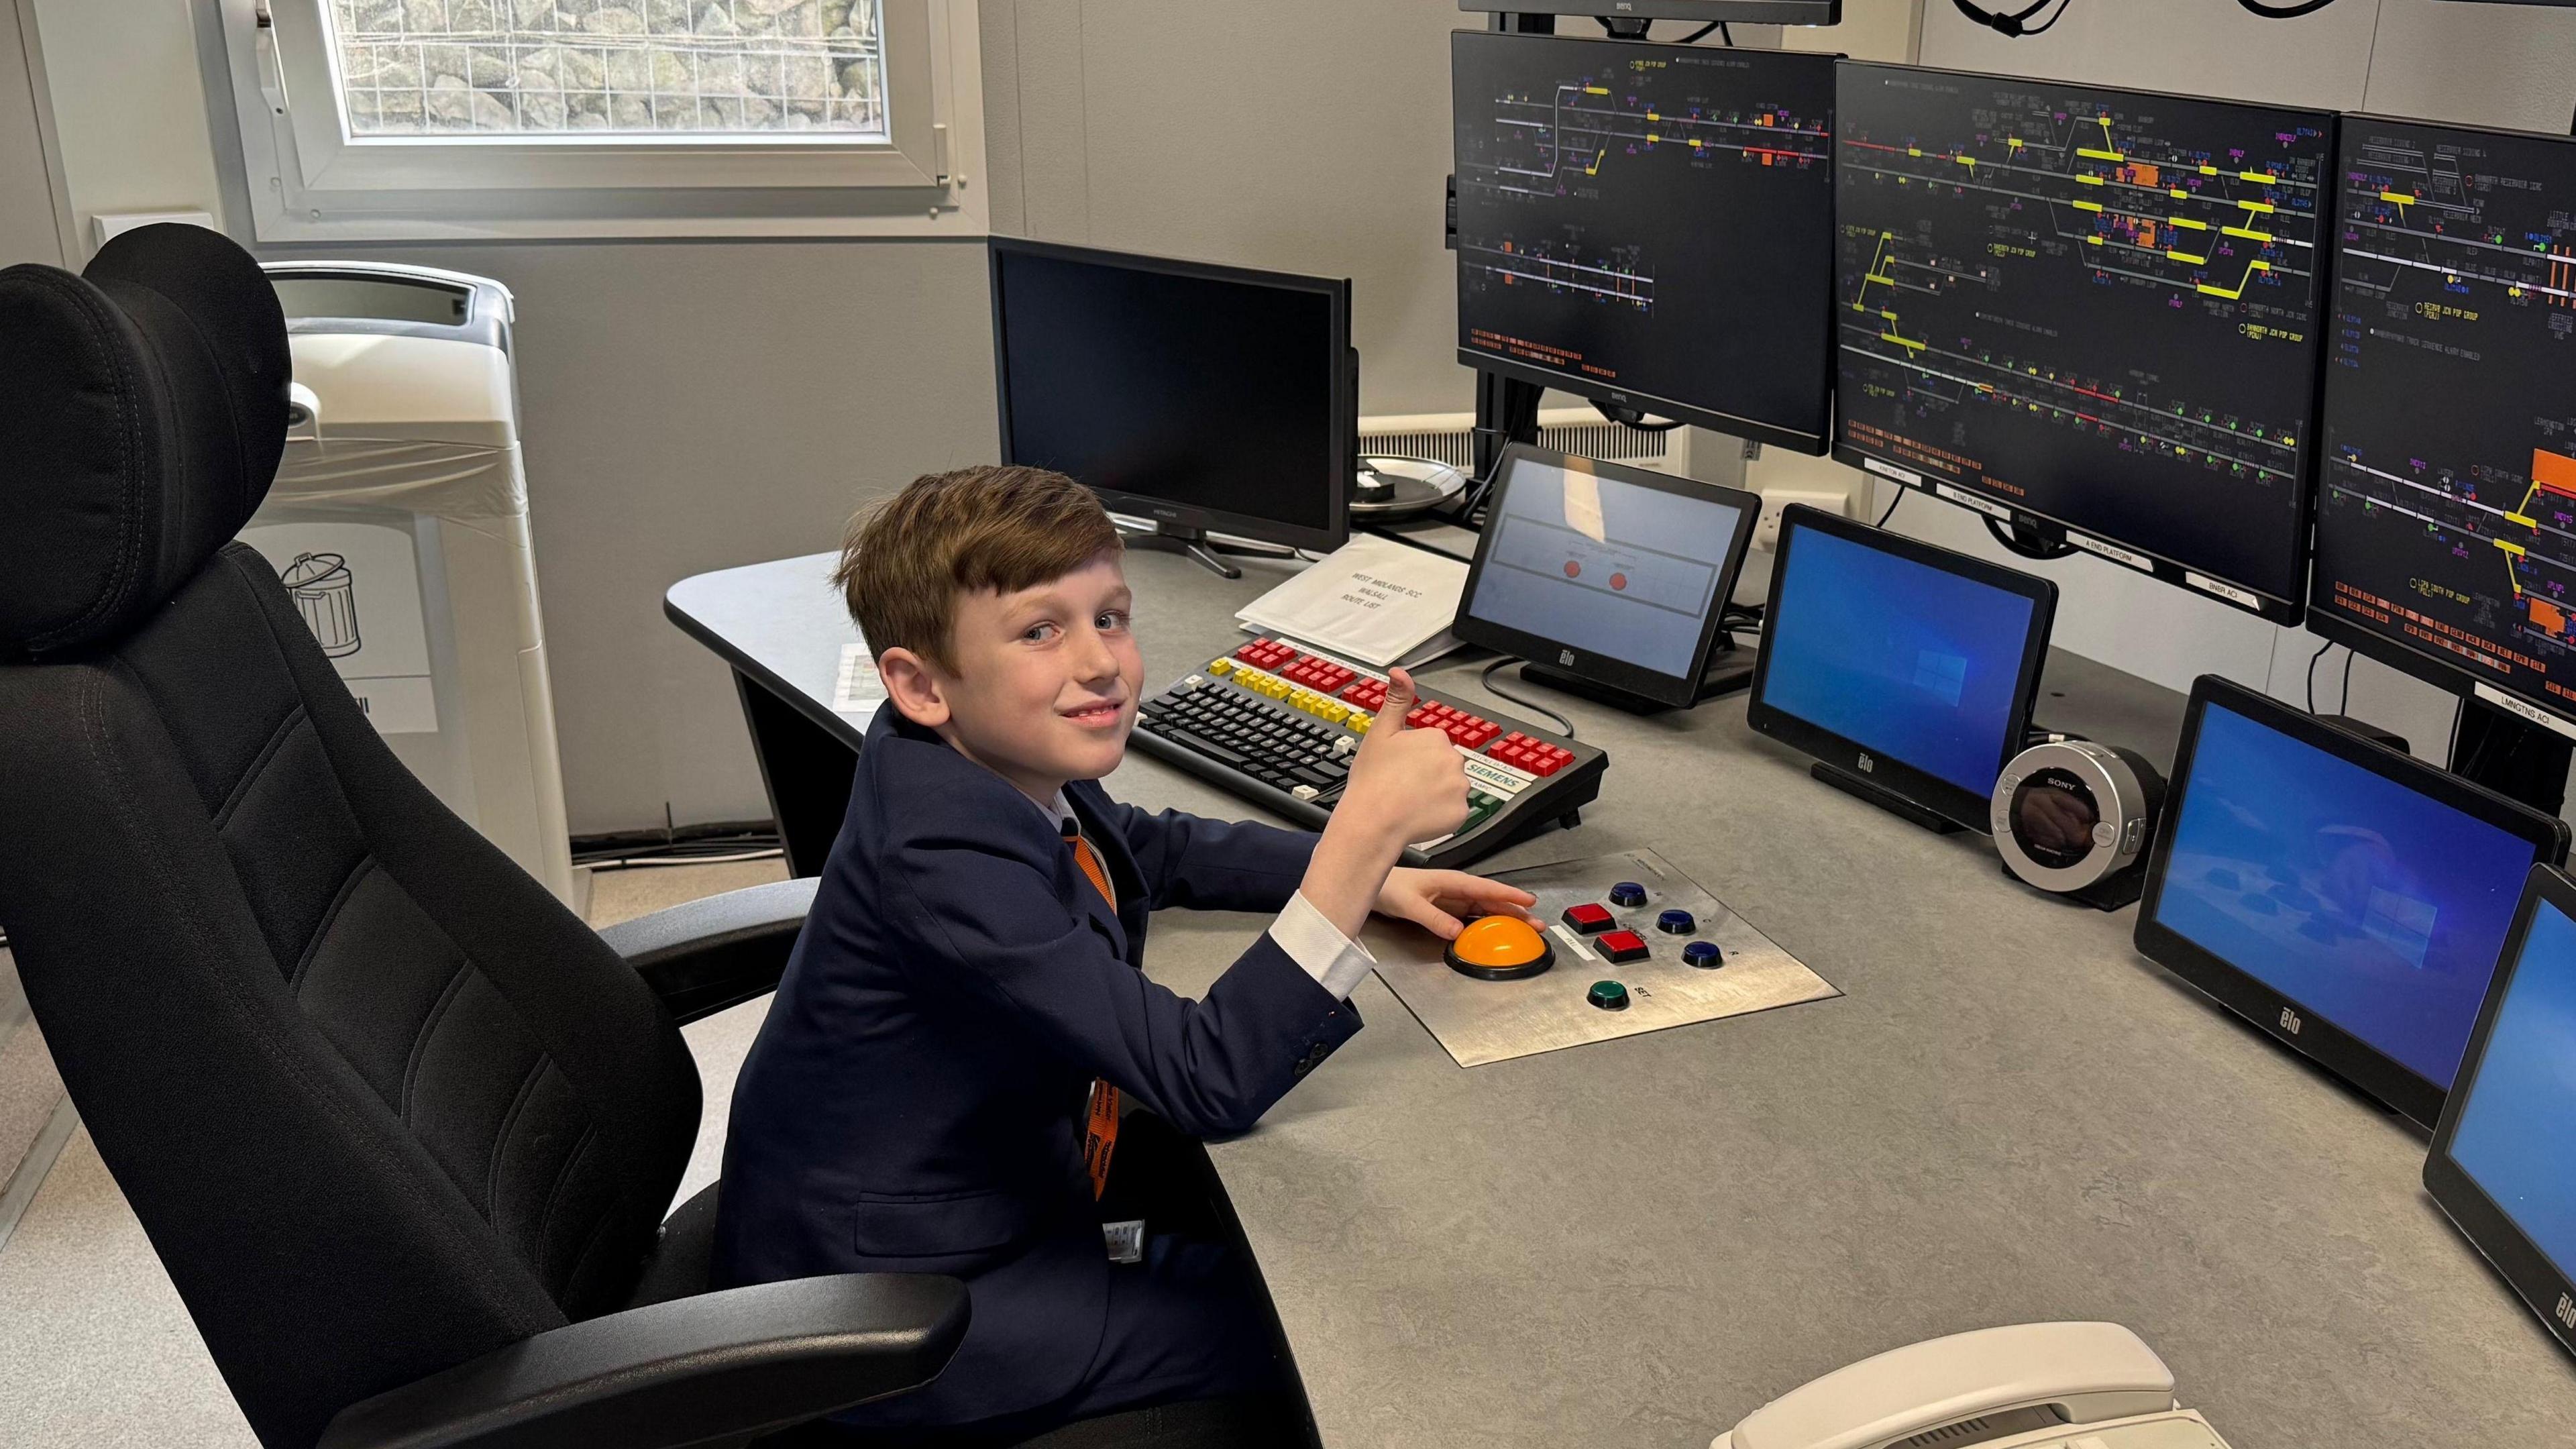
[2011, 1116]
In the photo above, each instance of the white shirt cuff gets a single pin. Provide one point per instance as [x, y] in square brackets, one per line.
[1320, 949]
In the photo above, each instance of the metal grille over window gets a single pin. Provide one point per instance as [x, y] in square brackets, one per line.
[611, 67]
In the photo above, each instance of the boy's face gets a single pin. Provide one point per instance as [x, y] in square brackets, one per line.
[1046, 683]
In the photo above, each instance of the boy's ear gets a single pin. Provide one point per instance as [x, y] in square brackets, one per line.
[913, 687]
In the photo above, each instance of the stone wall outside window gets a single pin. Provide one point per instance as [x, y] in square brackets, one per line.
[538, 67]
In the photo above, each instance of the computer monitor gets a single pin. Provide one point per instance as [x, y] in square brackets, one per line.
[2500, 1164]
[1697, 12]
[1649, 226]
[2088, 310]
[1198, 397]
[1608, 580]
[2345, 897]
[1907, 670]
[2446, 503]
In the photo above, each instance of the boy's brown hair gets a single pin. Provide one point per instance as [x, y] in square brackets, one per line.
[905, 561]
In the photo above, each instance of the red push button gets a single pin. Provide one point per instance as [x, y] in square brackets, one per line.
[1621, 946]
[1588, 918]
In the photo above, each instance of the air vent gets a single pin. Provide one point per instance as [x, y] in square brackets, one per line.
[1984, 1429]
[1447, 438]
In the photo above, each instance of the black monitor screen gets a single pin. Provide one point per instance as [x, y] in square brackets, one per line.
[1210, 396]
[2098, 307]
[1911, 664]
[2362, 889]
[2500, 1165]
[1649, 225]
[2446, 511]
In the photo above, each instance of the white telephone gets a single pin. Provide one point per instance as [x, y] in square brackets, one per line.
[2028, 1386]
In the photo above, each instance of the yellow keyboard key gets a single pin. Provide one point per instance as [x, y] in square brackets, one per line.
[1220, 667]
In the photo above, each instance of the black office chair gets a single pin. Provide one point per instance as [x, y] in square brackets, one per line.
[400, 1126]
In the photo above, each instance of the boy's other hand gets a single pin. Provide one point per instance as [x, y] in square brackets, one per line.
[1443, 901]
[1408, 781]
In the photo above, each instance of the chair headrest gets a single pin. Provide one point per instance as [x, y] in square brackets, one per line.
[142, 415]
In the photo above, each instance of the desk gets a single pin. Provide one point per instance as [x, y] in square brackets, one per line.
[2010, 1116]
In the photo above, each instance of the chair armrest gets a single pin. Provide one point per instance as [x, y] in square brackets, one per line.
[705, 955]
[717, 1368]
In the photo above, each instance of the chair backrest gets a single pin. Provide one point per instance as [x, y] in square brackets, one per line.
[380, 1101]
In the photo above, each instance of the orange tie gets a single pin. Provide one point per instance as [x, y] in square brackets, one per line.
[1100, 1126]
[1090, 864]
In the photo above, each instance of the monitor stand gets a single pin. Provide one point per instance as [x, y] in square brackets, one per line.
[1882, 797]
[1194, 542]
[1730, 668]
[2512, 756]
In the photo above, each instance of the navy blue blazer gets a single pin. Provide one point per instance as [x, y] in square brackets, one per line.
[914, 1100]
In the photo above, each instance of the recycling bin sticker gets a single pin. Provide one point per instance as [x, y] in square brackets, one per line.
[357, 586]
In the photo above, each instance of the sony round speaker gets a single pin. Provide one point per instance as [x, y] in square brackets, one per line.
[2075, 818]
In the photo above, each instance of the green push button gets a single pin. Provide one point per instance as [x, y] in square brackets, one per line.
[1608, 995]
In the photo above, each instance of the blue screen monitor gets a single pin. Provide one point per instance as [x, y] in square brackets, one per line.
[1611, 575]
[1899, 662]
[2501, 1164]
[2346, 898]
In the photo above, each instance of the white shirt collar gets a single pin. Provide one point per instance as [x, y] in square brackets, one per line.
[1057, 809]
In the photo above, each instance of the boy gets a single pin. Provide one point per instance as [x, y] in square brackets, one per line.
[916, 1101]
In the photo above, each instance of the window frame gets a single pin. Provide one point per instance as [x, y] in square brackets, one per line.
[309, 180]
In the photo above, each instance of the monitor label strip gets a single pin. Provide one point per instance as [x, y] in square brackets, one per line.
[2111, 551]
[2512, 706]
[1966, 499]
[2229, 592]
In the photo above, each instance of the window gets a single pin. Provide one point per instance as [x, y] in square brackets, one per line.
[420, 119]
[647, 67]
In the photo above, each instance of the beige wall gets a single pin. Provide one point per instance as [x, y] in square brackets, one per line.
[1308, 137]
[129, 107]
[31, 204]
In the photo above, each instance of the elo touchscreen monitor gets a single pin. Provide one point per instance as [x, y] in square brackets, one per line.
[1905, 669]
[2500, 1164]
[1599, 574]
[2342, 896]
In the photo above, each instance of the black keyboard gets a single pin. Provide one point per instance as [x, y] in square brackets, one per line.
[1278, 725]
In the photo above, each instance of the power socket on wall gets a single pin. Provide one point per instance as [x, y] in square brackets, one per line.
[1766, 534]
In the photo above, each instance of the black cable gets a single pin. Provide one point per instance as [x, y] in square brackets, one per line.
[2054, 16]
[1726, 32]
[2015, 24]
[1564, 726]
[2285, 12]
[1891, 508]
[2029, 545]
[2312, 674]
[2345, 705]
[1696, 36]
[1631, 419]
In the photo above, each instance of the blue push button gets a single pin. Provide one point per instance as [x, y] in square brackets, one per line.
[1627, 893]
[1676, 923]
[1704, 955]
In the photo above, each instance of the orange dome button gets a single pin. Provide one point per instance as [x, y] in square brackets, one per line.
[1500, 948]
